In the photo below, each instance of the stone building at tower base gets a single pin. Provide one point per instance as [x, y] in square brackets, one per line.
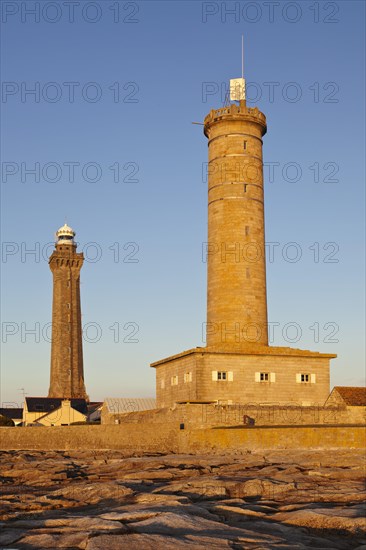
[258, 374]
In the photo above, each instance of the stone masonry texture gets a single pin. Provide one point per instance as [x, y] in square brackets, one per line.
[67, 373]
[236, 271]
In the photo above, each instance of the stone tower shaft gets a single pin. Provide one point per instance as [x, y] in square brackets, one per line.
[236, 267]
[67, 372]
[237, 366]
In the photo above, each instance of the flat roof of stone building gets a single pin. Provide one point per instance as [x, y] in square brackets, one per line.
[248, 350]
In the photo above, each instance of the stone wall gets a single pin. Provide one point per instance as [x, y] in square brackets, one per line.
[170, 438]
[209, 415]
[266, 437]
[166, 393]
[128, 437]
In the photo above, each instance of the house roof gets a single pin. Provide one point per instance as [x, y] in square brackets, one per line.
[48, 404]
[94, 406]
[12, 412]
[355, 396]
[129, 404]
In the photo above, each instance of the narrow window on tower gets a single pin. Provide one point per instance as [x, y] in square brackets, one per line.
[246, 230]
[245, 144]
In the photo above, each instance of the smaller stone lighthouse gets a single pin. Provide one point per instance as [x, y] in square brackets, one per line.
[67, 372]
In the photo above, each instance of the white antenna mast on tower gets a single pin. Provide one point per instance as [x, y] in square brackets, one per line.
[237, 85]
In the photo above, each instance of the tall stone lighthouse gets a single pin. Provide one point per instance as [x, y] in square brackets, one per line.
[67, 373]
[237, 365]
[236, 275]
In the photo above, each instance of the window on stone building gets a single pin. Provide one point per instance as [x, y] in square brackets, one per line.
[174, 380]
[188, 377]
[265, 377]
[162, 383]
[302, 377]
[223, 375]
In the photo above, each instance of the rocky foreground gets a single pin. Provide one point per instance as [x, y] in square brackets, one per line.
[104, 500]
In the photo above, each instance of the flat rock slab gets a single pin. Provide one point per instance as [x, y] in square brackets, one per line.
[322, 519]
[45, 541]
[8, 536]
[76, 523]
[154, 542]
[180, 525]
[79, 500]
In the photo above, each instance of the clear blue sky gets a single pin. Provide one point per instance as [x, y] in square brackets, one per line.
[168, 61]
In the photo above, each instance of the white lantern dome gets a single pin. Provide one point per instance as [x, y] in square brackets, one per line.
[65, 235]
